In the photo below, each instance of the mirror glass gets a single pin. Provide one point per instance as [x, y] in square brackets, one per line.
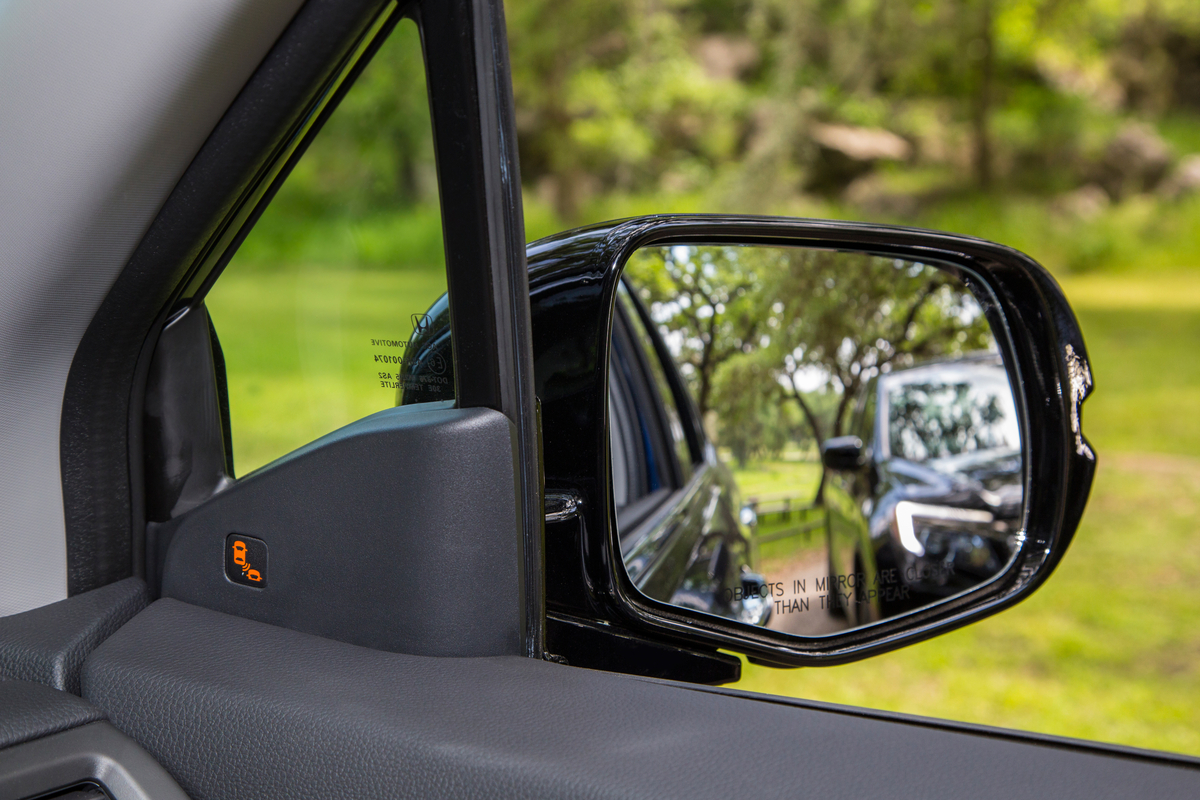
[809, 440]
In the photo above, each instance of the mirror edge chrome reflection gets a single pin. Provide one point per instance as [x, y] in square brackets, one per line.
[1044, 344]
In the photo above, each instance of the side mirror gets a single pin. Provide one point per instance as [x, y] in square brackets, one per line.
[961, 356]
[748, 515]
[843, 453]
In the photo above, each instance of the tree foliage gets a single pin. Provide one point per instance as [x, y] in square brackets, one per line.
[721, 97]
[839, 319]
[724, 101]
[707, 298]
[758, 330]
[751, 421]
[376, 151]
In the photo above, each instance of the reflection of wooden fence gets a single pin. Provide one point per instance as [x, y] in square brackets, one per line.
[785, 507]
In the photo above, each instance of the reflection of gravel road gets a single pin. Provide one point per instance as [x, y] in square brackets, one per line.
[816, 621]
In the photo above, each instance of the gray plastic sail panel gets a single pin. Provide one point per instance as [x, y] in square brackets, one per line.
[398, 532]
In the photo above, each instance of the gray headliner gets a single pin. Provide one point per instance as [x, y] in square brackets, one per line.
[105, 104]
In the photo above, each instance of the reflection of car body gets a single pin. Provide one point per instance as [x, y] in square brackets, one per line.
[929, 505]
[676, 503]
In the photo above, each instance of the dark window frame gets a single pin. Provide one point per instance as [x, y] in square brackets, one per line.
[229, 181]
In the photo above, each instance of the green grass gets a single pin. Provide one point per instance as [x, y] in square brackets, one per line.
[790, 476]
[1109, 648]
[1141, 235]
[298, 353]
[1141, 334]
[383, 239]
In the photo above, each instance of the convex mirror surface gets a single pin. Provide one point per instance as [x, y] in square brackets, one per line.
[862, 424]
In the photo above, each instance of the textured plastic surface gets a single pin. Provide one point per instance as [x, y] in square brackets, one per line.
[48, 644]
[31, 711]
[213, 697]
[96, 753]
[104, 107]
[397, 532]
[182, 428]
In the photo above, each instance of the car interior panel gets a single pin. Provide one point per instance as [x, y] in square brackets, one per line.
[460, 521]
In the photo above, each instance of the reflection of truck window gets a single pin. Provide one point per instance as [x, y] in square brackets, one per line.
[644, 428]
[672, 418]
[943, 411]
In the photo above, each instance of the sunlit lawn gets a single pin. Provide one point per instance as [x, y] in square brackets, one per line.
[1109, 649]
[790, 476]
[298, 353]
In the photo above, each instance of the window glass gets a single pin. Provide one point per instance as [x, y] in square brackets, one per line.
[940, 414]
[662, 386]
[628, 441]
[316, 310]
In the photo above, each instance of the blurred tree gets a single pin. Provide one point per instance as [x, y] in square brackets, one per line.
[675, 96]
[753, 327]
[983, 51]
[377, 150]
[611, 96]
[751, 420]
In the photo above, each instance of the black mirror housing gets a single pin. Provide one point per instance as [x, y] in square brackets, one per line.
[595, 614]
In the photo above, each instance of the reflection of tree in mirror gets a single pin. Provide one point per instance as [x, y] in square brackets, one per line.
[751, 425]
[930, 421]
[761, 330]
[840, 319]
[705, 298]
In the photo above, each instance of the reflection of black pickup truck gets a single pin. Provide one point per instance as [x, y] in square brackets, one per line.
[924, 499]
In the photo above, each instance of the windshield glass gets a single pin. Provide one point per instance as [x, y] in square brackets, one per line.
[937, 414]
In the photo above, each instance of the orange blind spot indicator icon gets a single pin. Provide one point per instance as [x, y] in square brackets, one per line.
[246, 560]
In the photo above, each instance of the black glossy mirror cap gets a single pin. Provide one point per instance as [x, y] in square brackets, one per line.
[573, 282]
[843, 453]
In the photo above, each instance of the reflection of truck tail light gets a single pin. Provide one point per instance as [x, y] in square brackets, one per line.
[943, 517]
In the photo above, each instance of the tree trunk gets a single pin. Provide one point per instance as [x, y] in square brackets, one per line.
[708, 364]
[705, 390]
[981, 99]
[848, 393]
[815, 426]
